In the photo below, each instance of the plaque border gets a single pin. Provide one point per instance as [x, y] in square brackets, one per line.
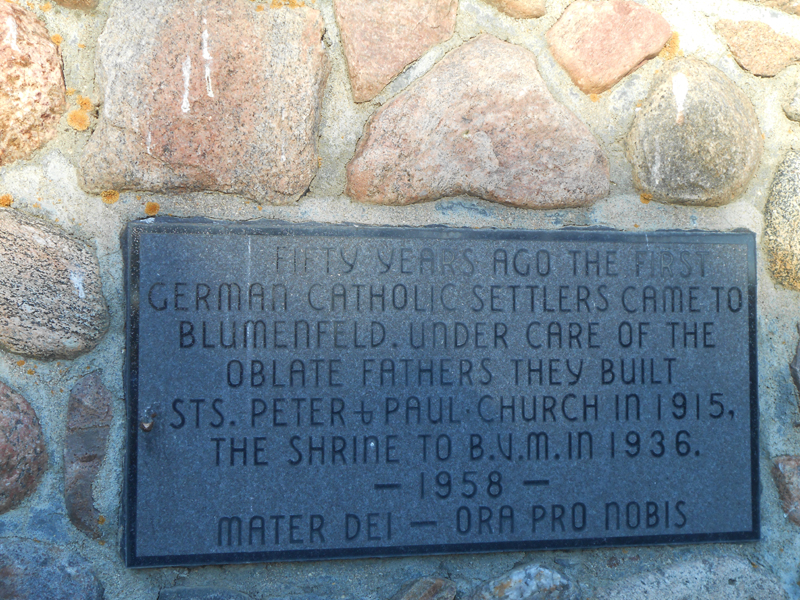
[130, 243]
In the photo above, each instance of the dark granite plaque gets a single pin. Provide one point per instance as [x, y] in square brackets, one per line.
[310, 391]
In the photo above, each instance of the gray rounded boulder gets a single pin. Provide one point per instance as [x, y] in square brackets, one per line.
[696, 139]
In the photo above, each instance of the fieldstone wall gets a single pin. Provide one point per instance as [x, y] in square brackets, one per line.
[635, 115]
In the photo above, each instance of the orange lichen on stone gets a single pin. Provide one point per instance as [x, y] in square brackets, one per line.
[20, 363]
[110, 196]
[31, 372]
[101, 519]
[85, 103]
[57, 39]
[81, 46]
[594, 97]
[286, 3]
[671, 48]
[259, 8]
[151, 209]
[78, 119]
[6, 200]
[70, 91]
[47, 6]
[645, 198]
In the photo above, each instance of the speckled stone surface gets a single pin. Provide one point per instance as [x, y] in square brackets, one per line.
[32, 94]
[713, 578]
[482, 123]
[599, 43]
[205, 593]
[79, 4]
[23, 456]
[235, 111]
[51, 297]
[696, 139]
[758, 48]
[782, 223]
[531, 582]
[381, 38]
[520, 9]
[36, 571]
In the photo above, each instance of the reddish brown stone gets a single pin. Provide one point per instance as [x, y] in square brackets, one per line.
[786, 473]
[32, 95]
[382, 38]
[599, 43]
[208, 95]
[88, 421]
[427, 588]
[51, 296]
[520, 9]
[23, 457]
[483, 123]
[758, 48]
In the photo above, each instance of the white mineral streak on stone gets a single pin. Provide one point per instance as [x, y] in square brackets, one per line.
[208, 58]
[149, 141]
[680, 87]
[187, 75]
[11, 37]
[77, 280]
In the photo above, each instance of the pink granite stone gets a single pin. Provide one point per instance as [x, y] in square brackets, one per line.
[483, 123]
[32, 95]
[520, 9]
[23, 457]
[758, 48]
[208, 95]
[599, 43]
[382, 38]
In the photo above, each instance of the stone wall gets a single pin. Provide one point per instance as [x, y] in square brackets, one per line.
[655, 114]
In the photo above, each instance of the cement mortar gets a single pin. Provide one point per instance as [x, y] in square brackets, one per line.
[46, 186]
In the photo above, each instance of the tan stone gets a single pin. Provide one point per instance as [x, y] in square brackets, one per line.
[208, 95]
[380, 38]
[88, 422]
[520, 9]
[758, 48]
[788, 6]
[483, 123]
[51, 297]
[782, 223]
[79, 4]
[599, 43]
[23, 457]
[32, 94]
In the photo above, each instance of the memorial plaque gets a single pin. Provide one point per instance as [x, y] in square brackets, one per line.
[319, 391]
